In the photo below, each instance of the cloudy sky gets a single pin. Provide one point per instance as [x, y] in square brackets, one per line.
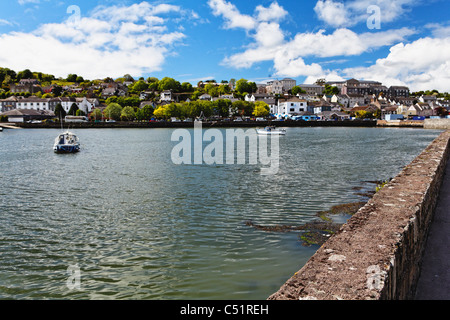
[397, 42]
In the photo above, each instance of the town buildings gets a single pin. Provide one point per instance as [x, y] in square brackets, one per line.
[354, 96]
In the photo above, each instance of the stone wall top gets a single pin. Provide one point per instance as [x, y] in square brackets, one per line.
[377, 253]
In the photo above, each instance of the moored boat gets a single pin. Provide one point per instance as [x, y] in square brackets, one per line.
[271, 130]
[67, 142]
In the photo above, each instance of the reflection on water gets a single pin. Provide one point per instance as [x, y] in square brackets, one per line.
[140, 227]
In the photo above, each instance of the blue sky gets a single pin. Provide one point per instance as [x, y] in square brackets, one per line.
[397, 42]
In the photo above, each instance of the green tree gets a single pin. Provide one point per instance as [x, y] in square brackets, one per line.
[128, 114]
[169, 84]
[128, 77]
[113, 111]
[331, 90]
[297, 90]
[59, 111]
[73, 109]
[243, 86]
[96, 115]
[25, 74]
[57, 90]
[212, 90]
[139, 86]
[80, 113]
[139, 115]
[261, 109]
[222, 107]
[362, 114]
[160, 112]
[243, 108]
[72, 78]
[147, 112]
[187, 87]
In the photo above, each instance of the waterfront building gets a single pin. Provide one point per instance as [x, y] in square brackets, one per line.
[274, 87]
[288, 84]
[313, 89]
[9, 103]
[291, 106]
[398, 91]
[34, 103]
[25, 115]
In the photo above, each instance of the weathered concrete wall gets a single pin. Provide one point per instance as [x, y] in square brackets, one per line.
[377, 253]
[436, 124]
[400, 123]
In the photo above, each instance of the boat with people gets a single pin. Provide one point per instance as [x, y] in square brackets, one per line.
[271, 130]
[67, 142]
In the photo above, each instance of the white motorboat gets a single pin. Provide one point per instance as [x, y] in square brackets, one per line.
[1, 129]
[271, 130]
[67, 142]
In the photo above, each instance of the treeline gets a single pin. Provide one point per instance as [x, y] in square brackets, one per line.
[183, 110]
[152, 84]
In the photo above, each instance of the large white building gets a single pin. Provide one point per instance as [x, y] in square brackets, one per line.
[49, 104]
[291, 106]
[38, 104]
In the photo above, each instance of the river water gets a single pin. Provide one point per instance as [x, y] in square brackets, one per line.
[120, 220]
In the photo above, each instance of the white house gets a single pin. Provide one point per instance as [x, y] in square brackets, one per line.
[38, 104]
[166, 96]
[87, 105]
[291, 106]
[205, 96]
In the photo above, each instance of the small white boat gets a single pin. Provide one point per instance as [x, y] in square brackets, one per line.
[67, 142]
[271, 130]
[1, 129]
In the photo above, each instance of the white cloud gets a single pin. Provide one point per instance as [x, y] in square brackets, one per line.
[439, 30]
[4, 22]
[423, 64]
[342, 42]
[23, 2]
[111, 41]
[269, 43]
[232, 16]
[333, 13]
[344, 14]
[273, 13]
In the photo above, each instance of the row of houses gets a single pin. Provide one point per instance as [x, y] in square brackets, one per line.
[350, 87]
[47, 104]
[107, 89]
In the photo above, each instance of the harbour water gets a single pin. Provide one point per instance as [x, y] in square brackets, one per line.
[137, 226]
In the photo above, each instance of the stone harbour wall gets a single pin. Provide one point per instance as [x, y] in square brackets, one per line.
[377, 254]
[436, 124]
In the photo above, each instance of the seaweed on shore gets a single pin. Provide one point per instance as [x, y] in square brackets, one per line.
[343, 209]
[316, 232]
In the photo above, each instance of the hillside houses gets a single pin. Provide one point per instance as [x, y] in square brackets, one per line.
[353, 95]
[47, 104]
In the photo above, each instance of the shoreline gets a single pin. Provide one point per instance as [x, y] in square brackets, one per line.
[206, 124]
